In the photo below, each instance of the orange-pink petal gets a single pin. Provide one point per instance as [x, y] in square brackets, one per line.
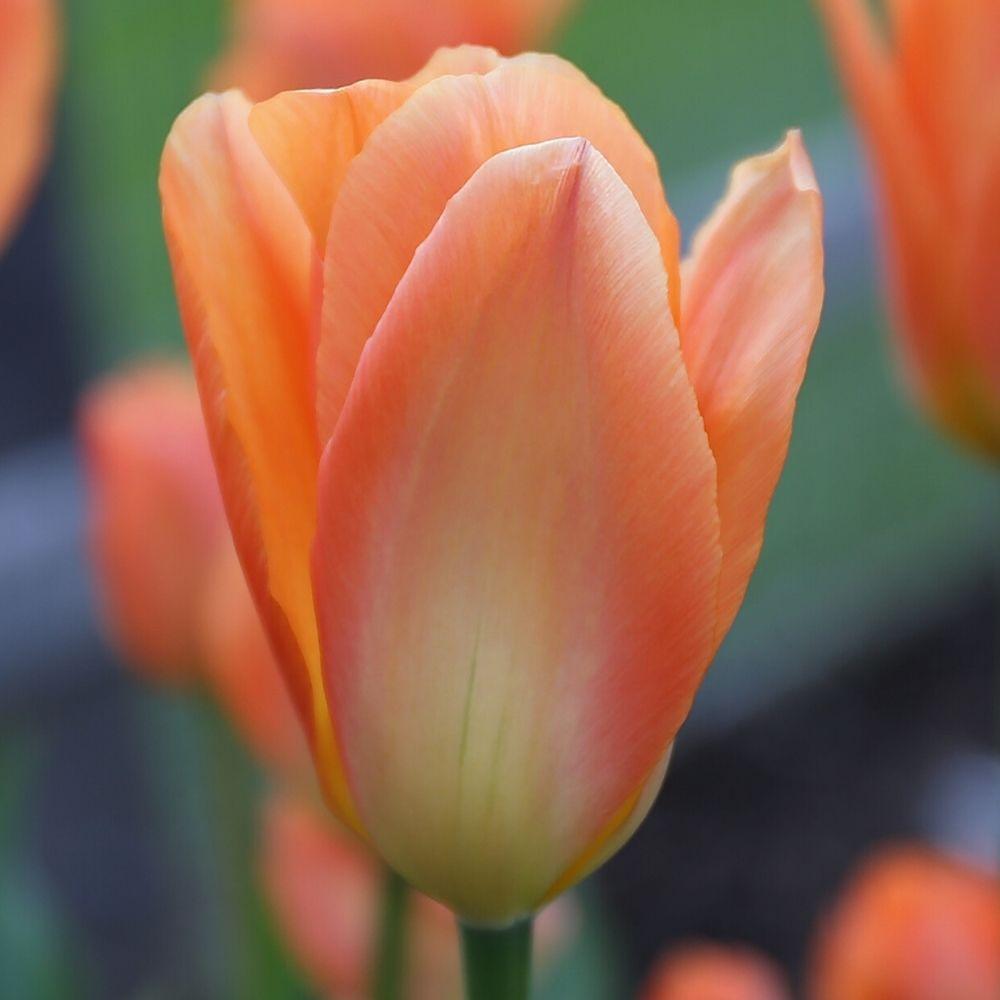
[241, 255]
[399, 184]
[517, 554]
[29, 51]
[752, 295]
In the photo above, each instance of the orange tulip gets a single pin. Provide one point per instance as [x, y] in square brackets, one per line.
[155, 520]
[926, 99]
[715, 972]
[911, 925]
[324, 891]
[289, 44]
[28, 58]
[498, 484]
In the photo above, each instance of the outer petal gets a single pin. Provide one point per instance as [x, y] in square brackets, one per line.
[155, 516]
[715, 972]
[397, 187]
[244, 674]
[517, 551]
[28, 58]
[241, 259]
[753, 291]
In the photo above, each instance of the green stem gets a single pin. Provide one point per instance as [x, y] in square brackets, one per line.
[497, 961]
[390, 953]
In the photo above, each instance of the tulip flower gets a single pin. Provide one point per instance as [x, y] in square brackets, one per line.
[911, 925]
[28, 58]
[925, 97]
[323, 888]
[289, 44]
[715, 972]
[497, 478]
[155, 521]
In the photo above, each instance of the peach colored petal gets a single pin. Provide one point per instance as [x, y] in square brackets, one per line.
[399, 184]
[241, 258]
[310, 137]
[715, 972]
[518, 537]
[752, 295]
[154, 513]
[29, 50]
[243, 673]
[910, 925]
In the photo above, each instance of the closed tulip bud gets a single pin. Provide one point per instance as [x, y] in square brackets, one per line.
[925, 94]
[911, 925]
[28, 61]
[324, 891]
[155, 519]
[282, 45]
[715, 972]
[497, 476]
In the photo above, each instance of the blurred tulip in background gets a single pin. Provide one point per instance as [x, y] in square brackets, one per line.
[156, 523]
[926, 95]
[519, 518]
[715, 972]
[294, 44]
[911, 925]
[29, 50]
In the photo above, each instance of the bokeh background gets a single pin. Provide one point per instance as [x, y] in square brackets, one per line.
[851, 703]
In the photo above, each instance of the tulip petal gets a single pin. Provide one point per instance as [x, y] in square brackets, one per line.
[241, 258]
[310, 138]
[753, 291]
[28, 58]
[397, 187]
[517, 552]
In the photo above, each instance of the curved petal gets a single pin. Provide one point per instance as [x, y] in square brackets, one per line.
[154, 515]
[517, 553]
[28, 61]
[241, 258]
[310, 137]
[753, 292]
[397, 187]
[716, 972]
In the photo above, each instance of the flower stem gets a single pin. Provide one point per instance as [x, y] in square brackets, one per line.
[497, 962]
[390, 953]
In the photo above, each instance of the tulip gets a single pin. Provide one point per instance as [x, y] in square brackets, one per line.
[497, 479]
[925, 97]
[155, 520]
[323, 888]
[911, 925]
[289, 44]
[28, 57]
[715, 972]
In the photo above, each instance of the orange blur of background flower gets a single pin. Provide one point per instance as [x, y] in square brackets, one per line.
[295, 44]
[926, 94]
[537, 497]
[28, 60]
[715, 972]
[911, 925]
